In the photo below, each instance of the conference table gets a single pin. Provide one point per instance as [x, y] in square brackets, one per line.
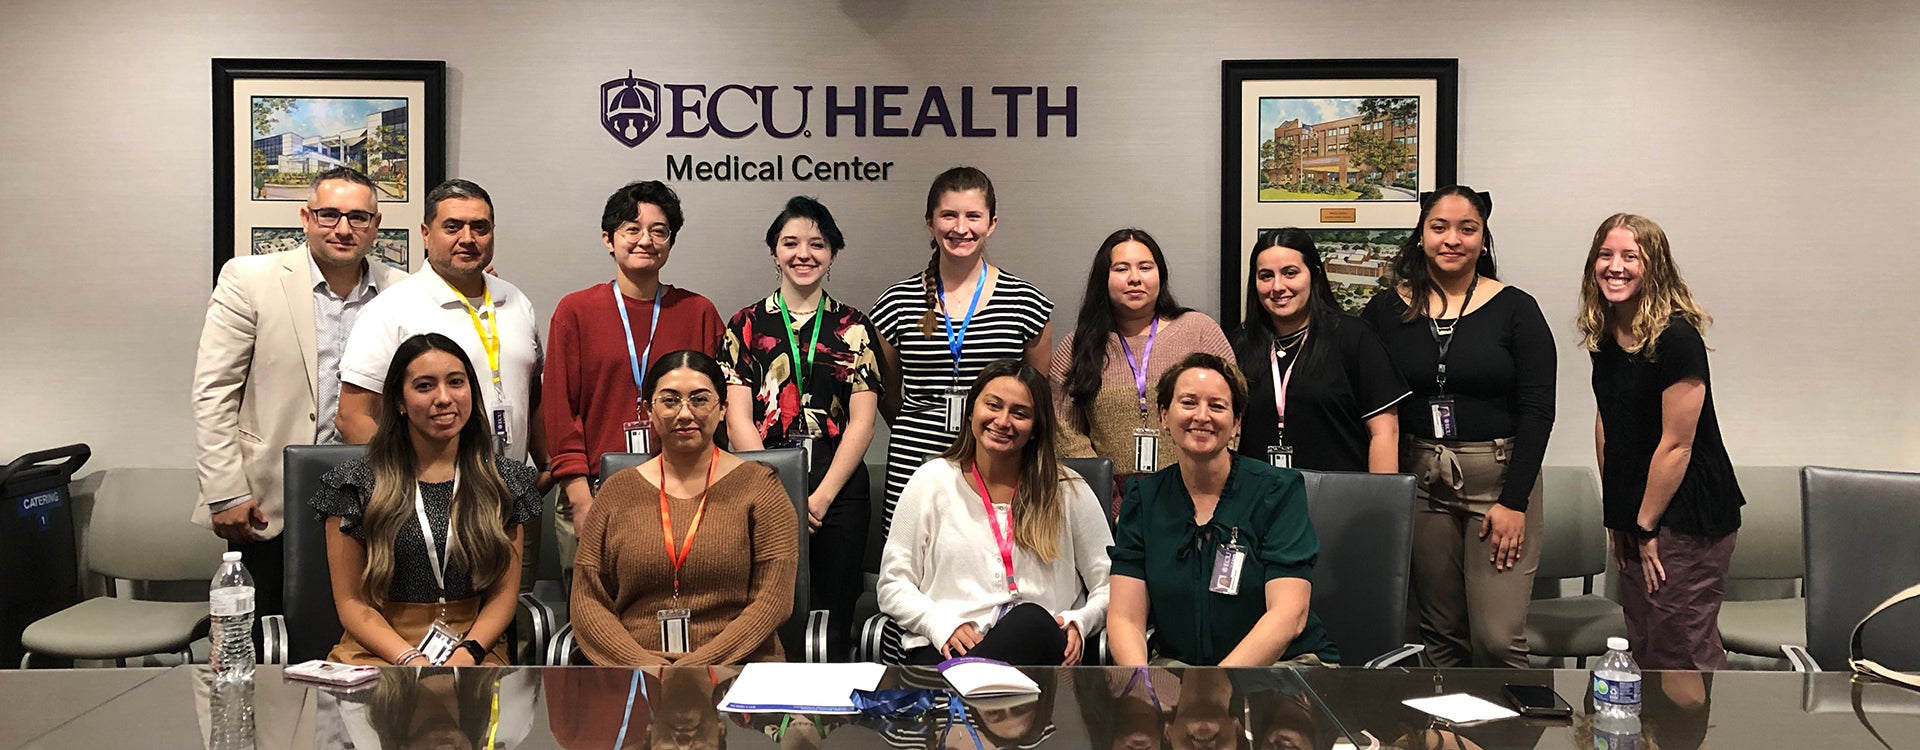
[1083, 707]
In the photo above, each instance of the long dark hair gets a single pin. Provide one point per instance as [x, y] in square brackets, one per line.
[1411, 267]
[955, 180]
[1039, 511]
[477, 539]
[1096, 323]
[1252, 341]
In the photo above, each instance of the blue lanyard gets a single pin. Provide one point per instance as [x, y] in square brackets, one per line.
[659, 296]
[639, 685]
[958, 715]
[953, 342]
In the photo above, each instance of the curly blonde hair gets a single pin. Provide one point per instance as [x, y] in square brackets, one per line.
[1663, 293]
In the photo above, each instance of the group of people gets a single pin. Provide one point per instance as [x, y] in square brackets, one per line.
[993, 548]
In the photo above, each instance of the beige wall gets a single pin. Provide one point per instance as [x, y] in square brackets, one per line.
[1768, 138]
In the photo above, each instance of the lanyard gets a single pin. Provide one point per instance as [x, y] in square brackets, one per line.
[1140, 676]
[639, 362]
[1280, 382]
[666, 519]
[1444, 339]
[426, 532]
[1140, 372]
[489, 332]
[953, 342]
[493, 717]
[638, 685]
[958, 715]
[1001, 537]
[801, 369]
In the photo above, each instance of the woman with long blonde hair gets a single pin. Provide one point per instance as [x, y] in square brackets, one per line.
[997, 551]
[1671, 504]
[423, 533]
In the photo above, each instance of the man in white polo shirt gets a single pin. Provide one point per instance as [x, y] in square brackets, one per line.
[490, 318]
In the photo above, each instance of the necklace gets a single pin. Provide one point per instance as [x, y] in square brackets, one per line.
[1288, 344]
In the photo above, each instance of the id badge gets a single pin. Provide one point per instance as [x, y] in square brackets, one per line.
[1146, 450]
[1228, 560]
[803, 440]
[1443, 423]
[439, 643]
[1280, 456]
[502, 418]
[639, 437]
[956, 408]
[673, 630]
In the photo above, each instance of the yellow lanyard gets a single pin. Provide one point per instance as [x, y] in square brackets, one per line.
[489, 331]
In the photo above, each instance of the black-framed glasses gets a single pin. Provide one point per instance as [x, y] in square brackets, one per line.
[330, 218]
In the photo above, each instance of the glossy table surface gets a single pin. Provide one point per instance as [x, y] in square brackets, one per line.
[1097, 707]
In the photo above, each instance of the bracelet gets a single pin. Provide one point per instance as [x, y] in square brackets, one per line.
[407, 656]
[474, 649]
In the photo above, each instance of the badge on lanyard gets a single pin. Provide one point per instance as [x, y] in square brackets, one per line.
[1228, 561]
[957, 393]
[1280, 454]
[674, 621]
[674, 629]
[640, 431]
[1440, 407]
[1146, 441]
[441, 639]
[803, 439]
[801, 432]
[1000, 522]
[639, 436]
[1444, 427]
[1146, 450]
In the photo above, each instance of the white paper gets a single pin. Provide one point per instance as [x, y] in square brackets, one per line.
[1460, 708]
[764, 687]
[976, 678]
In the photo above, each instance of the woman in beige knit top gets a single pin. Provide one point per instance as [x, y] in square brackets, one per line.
[1104, 375]
[695, 562]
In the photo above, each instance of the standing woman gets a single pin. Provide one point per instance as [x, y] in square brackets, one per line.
[1105, 375]
[424, 532]
[939, 328]
[1672, 507]
[1325, 397]
[1480, 360]
[809, 378]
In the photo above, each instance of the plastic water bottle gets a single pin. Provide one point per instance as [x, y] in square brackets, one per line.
[231, 725]
[1616, 699]
[230, 603]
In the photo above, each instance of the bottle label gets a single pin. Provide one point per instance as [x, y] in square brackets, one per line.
[1617, 692]
[230, 601]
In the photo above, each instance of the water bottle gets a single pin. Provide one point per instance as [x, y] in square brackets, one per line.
[231, 725]
[1616, 699]
[230, 603]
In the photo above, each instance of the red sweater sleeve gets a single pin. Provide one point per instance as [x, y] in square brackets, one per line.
[561, 384]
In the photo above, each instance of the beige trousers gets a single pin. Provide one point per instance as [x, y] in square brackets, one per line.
[1471, 615]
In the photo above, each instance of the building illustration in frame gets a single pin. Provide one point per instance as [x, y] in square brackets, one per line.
[1339, 149]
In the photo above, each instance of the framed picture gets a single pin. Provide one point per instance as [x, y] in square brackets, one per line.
[1341, 148]
[277, 123]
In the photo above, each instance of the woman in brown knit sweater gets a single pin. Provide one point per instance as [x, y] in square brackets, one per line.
[690, 557]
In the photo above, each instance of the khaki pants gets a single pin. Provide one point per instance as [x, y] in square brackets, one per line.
[1471, 615]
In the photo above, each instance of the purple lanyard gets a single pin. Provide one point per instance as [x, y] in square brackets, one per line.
[1140, 371]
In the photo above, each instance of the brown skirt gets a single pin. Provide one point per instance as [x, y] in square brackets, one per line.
[411, 621]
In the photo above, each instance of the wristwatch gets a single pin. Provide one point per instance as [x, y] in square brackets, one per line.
[1643, 533]
[473, 649]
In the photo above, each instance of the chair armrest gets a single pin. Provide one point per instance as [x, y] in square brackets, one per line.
[1802, 661]
[872, 644]
[814, 640]
[1395, 656]
[542, 617]
[273, 639]
[560, 651]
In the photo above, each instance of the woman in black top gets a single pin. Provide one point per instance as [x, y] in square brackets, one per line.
[807, 375]
[1340, 386]
[1671, 503]
[1480, 359]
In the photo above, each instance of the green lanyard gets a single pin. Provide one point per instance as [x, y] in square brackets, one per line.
[801, 369]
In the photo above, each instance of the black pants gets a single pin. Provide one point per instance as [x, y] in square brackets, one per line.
[1026, 635]
[266, 561]
[836, 551]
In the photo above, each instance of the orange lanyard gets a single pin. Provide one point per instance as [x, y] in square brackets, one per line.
[666, 519]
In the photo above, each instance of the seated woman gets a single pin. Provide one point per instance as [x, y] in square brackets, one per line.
[425, 529]
[996, 551]
[1213, 509]
[690, 557]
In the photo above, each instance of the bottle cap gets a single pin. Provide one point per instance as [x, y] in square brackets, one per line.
[1614, 643]
[230, 557]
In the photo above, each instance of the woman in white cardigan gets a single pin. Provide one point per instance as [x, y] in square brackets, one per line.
[1024, 582]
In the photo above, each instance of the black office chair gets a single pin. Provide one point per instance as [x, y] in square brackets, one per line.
[1365, 525]
[1859, 550]
[311, 627]
[804, 632]
[879, 639]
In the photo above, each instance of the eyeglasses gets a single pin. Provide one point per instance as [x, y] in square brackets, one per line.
[330, 218]
[702, 403]
[632, 232]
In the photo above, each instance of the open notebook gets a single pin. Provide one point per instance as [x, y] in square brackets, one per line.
[986, 678]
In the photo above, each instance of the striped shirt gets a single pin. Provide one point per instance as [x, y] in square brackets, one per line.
[1006, 322]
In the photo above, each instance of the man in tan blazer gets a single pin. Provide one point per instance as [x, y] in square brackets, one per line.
[268, 371]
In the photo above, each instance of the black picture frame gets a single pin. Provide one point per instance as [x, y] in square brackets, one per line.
[1432, 82]
[421, 144]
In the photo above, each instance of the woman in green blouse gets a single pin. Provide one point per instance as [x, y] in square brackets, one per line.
[1220, 542]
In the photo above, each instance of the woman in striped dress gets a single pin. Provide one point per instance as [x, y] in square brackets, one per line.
[939, 328]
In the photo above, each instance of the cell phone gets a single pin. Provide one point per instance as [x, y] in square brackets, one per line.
[1538, 701]
[331, 673]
